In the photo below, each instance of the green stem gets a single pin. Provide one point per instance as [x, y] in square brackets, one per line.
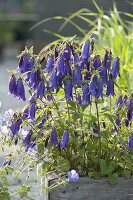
[99, 139]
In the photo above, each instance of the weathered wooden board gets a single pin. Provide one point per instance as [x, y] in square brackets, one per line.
[90, 189]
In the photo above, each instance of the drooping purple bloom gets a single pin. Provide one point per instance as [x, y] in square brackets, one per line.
[27, 139]
[130, 143]
[79, 99]
[77, 76]
[97, 62]
[119, 101]
[96, 87]
[85, 50]
[50, 64]
[15, 126]
[68, 89]
[75, 59]
[20, 89]
[12, 85]
[33, 79]
[60, 66]
[41, 124]
[25, 64]
[129, 114]
[110, 87]
[116, 68]
[87, 76]
[86, 95]
[53, 137]
[67, 69]
[32, 98]
[67, 53]
[40, 90]
[32, 111]
[53, 82]
[25, 113]
[65, 140]
[73, 176]
[117, 121]
[103, 74]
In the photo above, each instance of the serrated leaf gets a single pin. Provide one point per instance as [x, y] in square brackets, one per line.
[113, 178]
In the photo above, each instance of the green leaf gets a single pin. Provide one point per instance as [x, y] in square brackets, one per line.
[113, 178]
[127, 173]
[103, 167]
[111, 168]
[110, 117]
[40, 147]
[60, 93]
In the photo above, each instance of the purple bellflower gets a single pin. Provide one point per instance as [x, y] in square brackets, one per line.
[53, 137]
[20, 89]
[12, 85]
[53, 81]
[7, 161]
[119, 101]
[65, 140]
[68, 89]
[110, 87]
[26, 64]
[85, 50]
[116, 68]
[40, 90]
[15, 126]
[67, 69]
[73, 176]
[86, 95]
[67, 53]
[25, 113]
[77, 76]
[32, 111]
[60, 66]
[117, 121]
[75, 59]
[96, 87]
[129, 114]
[97, 62]
[50, 64]
[130, 143]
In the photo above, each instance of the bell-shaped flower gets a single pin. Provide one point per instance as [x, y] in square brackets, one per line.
[119, 101]
[20, 91]
[103, 74]
[65, 140]
[15, 126]
[129, 114]
[110, 87]
[53, 137]
[27, 139]
[130, 143]
[96, 87]
[50, 64]
[40, 90]
[86, 95]
[32, 111]
[73, 176]
[26, 63]
[97, 62]
[60, 65]
[79, 99]
[25, 113]
[67, 53]
[85, 53]
[75, 59]
[116, 68]
[77, 76]
[12, 85]
[67, 69]
[117, 121]
[53, 81]
[68, 89]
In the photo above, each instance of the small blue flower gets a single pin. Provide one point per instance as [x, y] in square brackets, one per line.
[32, 111]
[77, 76]
[67, 53]
[15, 126]
[25, 113]
[50, 64]
[86, 95]
[67, 69]
[25, 63]
[110, 87]
[12, 85]
[96, 87]
[75, 59]
[117, 121]
[40, 90]
[68, 89]
[73, 176]
[53, 82]
[119, 101]
[20, 89]
[85, 53]
[97, 62]
[60, 66]
[65, 140]
[116, 68]
[130, 143]
[53, 137]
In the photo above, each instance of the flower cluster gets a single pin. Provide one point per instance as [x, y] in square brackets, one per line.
[66, 85]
